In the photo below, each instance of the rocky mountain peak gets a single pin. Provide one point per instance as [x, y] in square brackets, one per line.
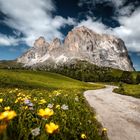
[81, 36]
[40, 42]
[82, 29]
[55, 44]
[57, 40]
[82, 44]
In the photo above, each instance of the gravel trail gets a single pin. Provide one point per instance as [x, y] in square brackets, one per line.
[118, 113]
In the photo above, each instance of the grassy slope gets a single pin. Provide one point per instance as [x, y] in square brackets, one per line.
[78, 119]
[24, 79]
[129, 89]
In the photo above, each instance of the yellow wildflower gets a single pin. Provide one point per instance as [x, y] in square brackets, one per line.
[7, 108]
[2, 128]
[22, 99]
[45, 113]
[66, 95]
[25, 107]
[56, 92]
[19, 94]
[50, 96]
[57, 106]
[7, 115]
[35, 99]
[42, 101]
[83, 136]
[104, 131]
[95, 117]
[10, 91]
[51, 128]
[1, 100]
[16, 100]
[19, 99]
[28, 97]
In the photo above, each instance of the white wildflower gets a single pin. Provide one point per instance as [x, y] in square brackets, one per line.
[76, 99]
[31, 108]
[28, 103]
[36, 131]
[50, 106]
[64, 107]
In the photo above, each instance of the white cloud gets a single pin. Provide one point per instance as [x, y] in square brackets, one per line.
[129, 29]
[7, 40]
[33, 18]
[126, 10]
[96, 26]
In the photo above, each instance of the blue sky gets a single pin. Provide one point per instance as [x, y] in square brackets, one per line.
[21, 22]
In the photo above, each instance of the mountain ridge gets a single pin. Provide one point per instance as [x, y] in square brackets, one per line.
[83, 44]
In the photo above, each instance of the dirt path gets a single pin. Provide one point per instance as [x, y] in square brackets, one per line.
[118, 113]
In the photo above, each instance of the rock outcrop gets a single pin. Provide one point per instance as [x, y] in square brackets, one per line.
[83, 44]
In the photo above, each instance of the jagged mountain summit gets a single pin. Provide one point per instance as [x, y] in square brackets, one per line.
[80, 44]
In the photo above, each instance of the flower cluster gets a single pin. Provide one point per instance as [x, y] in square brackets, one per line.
[42, 114]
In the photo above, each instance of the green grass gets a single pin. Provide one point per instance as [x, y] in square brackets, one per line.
[22, 78]
[55, 89]
[129, 89]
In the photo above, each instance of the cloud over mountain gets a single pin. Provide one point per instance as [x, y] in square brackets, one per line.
[128, 17]
[36, 18]
[33, 19]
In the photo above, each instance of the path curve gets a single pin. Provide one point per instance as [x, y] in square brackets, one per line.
[118, 113]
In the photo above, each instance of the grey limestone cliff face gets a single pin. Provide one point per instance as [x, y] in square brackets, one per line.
[39, 49]
[102, 50]
[83, 44]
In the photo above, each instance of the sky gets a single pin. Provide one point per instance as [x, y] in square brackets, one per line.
[22, 22]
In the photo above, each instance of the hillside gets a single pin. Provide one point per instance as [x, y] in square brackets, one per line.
[80, 70]
[26, 94]
[38, 79]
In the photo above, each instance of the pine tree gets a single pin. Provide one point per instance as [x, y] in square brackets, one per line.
[127, 77]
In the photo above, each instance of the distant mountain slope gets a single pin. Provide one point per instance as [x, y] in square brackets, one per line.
[10, 64]
[81, 44]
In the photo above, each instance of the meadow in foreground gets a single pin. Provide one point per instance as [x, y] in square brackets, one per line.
[45, 113]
